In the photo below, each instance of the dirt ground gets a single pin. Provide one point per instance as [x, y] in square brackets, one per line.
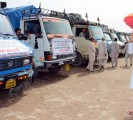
[74, 95]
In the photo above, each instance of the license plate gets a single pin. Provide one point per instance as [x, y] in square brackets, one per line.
[10, 83]
[67, 67]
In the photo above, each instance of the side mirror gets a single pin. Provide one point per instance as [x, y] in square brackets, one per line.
[3, 4]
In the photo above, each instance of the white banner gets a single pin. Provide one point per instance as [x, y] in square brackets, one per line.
[10, 48]
[62, 46]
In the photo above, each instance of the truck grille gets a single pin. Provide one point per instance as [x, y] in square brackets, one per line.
[65, 56]
[12, 63]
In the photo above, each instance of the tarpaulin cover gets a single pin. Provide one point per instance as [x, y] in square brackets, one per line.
[15, 14]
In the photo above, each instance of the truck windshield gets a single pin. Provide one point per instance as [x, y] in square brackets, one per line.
[114, 36]
[57, 26]
[97, 32]
[5, 26]
[107, 37]
[122, 38]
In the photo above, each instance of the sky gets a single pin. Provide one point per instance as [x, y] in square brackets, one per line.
[110, 12]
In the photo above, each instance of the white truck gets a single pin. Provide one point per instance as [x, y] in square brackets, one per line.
[51, 38]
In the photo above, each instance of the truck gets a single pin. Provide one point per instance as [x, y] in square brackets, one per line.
[15, 57]
[93, 29]
[121, 36]
[51, 38]
[109, 37]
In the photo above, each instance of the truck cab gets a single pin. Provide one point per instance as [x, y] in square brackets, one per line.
[15, 57]
[51, 38]
[92, 29]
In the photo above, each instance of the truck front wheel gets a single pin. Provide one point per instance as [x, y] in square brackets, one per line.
[35, 71]
[78, 60]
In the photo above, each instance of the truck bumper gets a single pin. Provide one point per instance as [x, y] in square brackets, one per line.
[70, 59]
[12, 80]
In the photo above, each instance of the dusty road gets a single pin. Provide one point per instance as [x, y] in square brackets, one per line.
[76, 95]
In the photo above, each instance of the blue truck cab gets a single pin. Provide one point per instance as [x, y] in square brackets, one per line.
[15, 56]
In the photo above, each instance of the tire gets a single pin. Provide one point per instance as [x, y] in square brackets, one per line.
[35, 74]
[78, 60]
[54, 69]
[18, 89]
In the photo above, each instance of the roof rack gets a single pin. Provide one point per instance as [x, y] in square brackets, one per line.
[36, 12]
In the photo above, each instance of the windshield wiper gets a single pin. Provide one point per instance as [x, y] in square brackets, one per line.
[7, 34]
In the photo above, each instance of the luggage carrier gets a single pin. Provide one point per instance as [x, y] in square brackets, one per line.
[36, 12]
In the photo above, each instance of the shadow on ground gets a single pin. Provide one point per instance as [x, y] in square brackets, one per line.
[46, 78]
[128, 118]
[6, 100]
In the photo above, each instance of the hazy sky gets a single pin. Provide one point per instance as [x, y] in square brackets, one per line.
[110, 12]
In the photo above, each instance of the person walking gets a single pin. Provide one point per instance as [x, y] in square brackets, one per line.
[128, 50]
[92, 52]
[114, 48]
[102, 54]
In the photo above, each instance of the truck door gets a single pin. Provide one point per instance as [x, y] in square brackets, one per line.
[36, 42]
[81, 42]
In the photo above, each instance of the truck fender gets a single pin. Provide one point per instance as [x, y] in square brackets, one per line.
[79, 51]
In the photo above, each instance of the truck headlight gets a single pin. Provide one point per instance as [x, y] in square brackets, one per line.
[26, 61]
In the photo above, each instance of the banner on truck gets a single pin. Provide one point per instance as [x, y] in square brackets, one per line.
[62, 46]
[10, 48]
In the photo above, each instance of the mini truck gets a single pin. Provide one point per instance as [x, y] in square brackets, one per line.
[15, 57]
[92, 30]
[51, 38]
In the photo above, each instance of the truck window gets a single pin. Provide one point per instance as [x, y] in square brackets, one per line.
[107, 37]
[32, 27]
[5, 27]
[113, 35]
[57, 26]
[122, 38]
[97, 32]
[79, 30]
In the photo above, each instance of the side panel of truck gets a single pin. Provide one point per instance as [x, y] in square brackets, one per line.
[82, 45]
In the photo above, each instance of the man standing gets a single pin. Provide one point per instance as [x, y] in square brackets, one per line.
[91, 51]
[102, 53]
[114, 47]
[128, 50]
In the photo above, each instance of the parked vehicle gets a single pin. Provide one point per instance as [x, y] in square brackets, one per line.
[109, 36]
[15, 57]
[121, 36]
[51, 38]
[92, 29]
[127, 36]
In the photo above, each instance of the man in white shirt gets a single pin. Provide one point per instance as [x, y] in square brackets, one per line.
[128, 50]
[102, 53]
[114, 52]
[92, 52]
